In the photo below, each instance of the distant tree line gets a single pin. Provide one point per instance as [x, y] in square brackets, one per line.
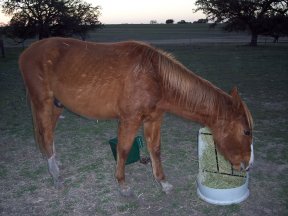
[46, 18]
[171, 21]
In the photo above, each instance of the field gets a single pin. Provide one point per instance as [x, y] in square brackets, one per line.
[86, 161]
[166, 34]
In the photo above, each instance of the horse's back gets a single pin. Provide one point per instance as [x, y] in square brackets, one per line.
[92, 79]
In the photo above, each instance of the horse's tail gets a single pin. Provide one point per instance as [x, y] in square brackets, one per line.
[37, 132]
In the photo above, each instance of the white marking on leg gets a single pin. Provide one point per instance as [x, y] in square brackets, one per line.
[166, 187]
[126, 191]
[153, 165]
[53, 167]
[53, 146]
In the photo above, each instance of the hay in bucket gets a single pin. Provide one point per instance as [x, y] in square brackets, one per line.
[214, 170]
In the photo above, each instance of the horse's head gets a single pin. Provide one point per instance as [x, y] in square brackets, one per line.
[233, 135]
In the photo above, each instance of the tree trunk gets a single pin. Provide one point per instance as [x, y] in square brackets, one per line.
[276, 38]
[254, 39]
[43, 31]
[2, 48]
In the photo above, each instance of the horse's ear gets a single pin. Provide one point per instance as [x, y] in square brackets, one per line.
[236, 97]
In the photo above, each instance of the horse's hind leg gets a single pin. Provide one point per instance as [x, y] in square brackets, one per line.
[152, 136]
[45, 116]
[52, 164]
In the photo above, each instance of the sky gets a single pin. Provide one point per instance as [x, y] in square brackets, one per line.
[142, 11]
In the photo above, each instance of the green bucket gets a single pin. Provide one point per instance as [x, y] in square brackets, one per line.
[134, 154]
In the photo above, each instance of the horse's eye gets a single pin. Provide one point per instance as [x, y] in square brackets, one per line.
[247, 132]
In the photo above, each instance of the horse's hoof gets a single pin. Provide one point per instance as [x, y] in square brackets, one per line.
[126, 191]
[166, 187]
[58, 184]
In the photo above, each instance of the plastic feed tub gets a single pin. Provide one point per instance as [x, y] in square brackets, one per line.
[217, 182]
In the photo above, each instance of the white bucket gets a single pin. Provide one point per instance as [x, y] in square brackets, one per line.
[218, 196]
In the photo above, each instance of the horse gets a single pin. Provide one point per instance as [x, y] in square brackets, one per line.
[135, 83]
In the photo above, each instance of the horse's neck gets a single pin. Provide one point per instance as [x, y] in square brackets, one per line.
[203, 102]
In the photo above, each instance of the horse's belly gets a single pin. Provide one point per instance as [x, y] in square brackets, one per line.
[97, 109]
[90, 104]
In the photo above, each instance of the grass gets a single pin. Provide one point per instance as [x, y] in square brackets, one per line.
[158, 32]
[181, 34]
[3, 171]
[88, 166]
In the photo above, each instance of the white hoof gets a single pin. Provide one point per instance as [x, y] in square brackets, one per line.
[54, 171]
[126, 191]
[58, 184]
[166, 187]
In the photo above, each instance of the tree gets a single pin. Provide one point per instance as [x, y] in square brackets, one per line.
[169, 21]
[51, 17]
[201, 21]
[276, 26]
[182, 22]
[20, 28]
[2, 48]
[242, 15]
[2, 27]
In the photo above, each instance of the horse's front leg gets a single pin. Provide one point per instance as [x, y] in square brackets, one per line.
[152, 136]
[126, 133]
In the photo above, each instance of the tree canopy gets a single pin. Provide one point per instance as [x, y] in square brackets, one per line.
[169, 21]
[47, 18]
[257, 16]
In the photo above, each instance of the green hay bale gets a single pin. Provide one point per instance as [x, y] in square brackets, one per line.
[222, 177]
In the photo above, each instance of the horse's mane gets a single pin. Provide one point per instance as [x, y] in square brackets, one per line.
[185, 88]
[193, 91]
[248, 116]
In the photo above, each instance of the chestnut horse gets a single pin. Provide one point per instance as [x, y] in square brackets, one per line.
[136, 84]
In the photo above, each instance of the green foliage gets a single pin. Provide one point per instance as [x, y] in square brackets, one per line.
[201, 21]
[259, 17]
[47, 18]
[19, 29]
[169, 21]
